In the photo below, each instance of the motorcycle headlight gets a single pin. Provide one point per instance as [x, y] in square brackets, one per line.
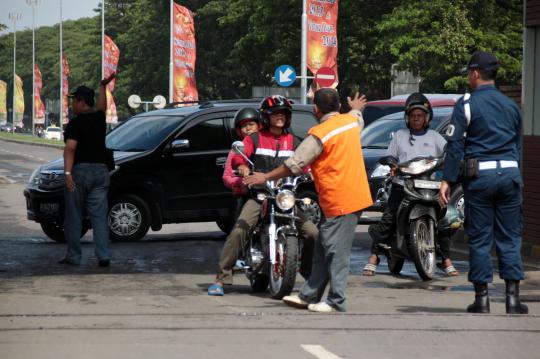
[35, 176]
[285, 200]
[420, 166]
[380, 171]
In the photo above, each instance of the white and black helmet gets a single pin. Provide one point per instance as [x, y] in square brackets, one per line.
[418, 100]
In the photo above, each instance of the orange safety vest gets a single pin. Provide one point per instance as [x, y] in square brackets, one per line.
[339, 171]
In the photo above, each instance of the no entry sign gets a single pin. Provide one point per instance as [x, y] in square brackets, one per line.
[325, 77]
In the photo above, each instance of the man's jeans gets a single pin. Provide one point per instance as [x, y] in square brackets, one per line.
[90, 197]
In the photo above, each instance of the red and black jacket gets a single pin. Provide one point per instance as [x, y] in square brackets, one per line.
[266, 150]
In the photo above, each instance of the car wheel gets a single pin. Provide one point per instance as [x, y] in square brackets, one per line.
[225, 224]
[55, 230]
[457, 199]
[129, 218]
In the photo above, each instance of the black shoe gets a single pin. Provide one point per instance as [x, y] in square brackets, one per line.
[513, 304]
[67, 261]
[481, 299]
[104, 262]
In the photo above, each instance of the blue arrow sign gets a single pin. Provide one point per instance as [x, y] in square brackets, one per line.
[285, 75]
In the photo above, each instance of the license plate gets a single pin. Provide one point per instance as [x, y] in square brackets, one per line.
[48, 208]
[427, 184]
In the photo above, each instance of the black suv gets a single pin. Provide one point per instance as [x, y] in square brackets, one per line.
[169, 167]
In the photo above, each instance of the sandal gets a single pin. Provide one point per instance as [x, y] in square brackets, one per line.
[370, 268]
[451, 271]
[216, 289]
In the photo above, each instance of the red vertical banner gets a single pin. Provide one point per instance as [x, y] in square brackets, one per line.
[322, 42]
[111, 55]
[184, 56]
[39, 109]
[65, 89]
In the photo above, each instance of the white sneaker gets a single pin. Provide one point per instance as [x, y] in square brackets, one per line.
[295, 301]
[321, 307]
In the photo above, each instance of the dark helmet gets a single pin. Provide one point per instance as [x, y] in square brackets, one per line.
[418, 100]
[272, 104]
[244, 115]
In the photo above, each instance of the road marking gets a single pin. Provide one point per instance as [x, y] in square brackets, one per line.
[319, 351]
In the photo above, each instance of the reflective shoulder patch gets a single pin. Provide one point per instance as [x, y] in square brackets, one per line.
[450, 130]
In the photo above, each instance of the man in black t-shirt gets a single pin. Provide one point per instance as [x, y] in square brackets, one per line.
[86, 174]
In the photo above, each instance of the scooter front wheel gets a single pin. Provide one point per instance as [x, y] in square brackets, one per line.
[422, 246]
[282, 273]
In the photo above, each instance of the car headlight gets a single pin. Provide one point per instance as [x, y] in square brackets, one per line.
[380, 171]
[35, 177]
[285, 199]
[419, 166]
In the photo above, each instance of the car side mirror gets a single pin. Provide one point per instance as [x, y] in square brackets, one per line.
[179, 144]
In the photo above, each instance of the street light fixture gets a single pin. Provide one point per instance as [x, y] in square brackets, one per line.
[14, 17]
[33, 4]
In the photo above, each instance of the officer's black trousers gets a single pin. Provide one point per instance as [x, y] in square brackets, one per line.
[493, 205]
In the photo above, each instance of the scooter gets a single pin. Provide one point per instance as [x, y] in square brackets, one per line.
[418, 215]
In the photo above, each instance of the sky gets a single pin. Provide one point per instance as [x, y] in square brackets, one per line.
[47, 12]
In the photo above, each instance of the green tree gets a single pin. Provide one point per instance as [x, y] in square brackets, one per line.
[435, 39]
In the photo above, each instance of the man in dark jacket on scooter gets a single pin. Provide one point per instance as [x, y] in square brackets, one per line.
[414, 141]
[267, 149]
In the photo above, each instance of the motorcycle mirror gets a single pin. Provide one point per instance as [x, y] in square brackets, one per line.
[238, 146]
[388, 161]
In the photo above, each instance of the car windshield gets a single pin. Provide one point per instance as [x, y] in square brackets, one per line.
[380, 133]
[373, 112]
[142, 133]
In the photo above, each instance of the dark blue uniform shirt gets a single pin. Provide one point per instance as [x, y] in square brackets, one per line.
[493, 134]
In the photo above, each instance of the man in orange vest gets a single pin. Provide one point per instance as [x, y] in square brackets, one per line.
[334, 151]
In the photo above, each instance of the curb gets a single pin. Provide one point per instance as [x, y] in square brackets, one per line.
[60, 146]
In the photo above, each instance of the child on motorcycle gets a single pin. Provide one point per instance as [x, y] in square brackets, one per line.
[246, 122]
[267, 149]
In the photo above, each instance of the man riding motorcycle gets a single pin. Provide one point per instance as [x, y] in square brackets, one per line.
[267, 150]
[417, 140]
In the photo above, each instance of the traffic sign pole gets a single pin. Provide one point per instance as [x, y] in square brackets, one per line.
[303, 64]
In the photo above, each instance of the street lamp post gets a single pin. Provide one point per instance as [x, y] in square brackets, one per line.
[15, 17]
[33, 4]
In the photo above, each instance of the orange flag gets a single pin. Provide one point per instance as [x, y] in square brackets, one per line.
[322, 44]
[111, 55]
[39, 107]
[65, 88]
[18, 107]
[3, 107]
[184, 86]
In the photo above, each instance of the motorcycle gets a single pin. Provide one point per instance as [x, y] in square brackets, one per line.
[420, 220]
[271, 256]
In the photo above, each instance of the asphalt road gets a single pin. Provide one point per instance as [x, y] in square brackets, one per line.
[152, 301]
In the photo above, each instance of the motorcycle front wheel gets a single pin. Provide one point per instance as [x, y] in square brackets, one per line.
[283, 272]
[422, 247]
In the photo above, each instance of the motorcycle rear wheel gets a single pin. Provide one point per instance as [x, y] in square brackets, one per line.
[282, 274]
[422, 247]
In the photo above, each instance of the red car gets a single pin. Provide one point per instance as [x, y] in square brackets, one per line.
[379, 108]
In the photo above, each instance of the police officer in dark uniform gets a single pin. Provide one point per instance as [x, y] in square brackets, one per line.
[485, 132]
